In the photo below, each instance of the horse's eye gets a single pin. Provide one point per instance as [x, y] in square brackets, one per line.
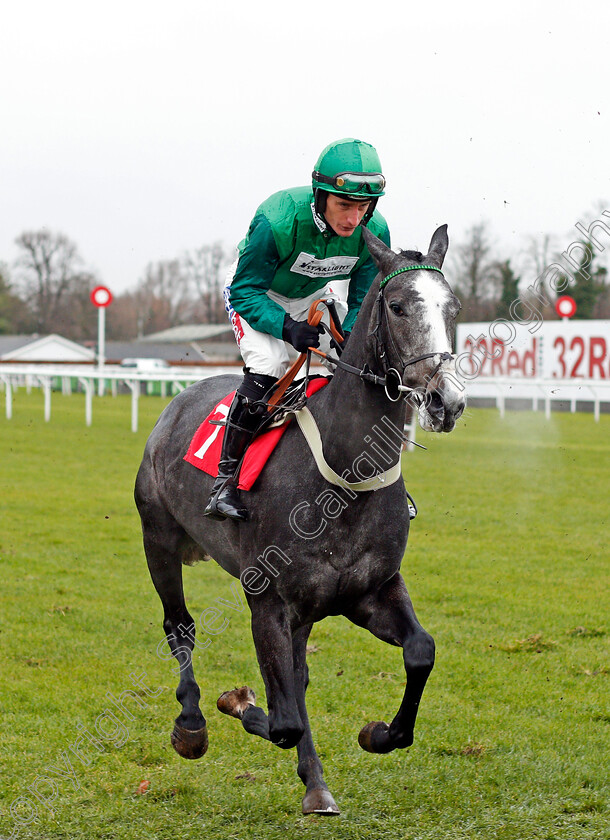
[454, 307]
[396, 309]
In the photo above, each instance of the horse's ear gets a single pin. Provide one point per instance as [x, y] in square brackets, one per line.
[438, 246]
[382, 255]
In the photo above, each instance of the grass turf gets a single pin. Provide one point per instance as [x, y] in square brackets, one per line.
[507, 566]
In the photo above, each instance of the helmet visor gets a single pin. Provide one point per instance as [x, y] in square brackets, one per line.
[370, 183]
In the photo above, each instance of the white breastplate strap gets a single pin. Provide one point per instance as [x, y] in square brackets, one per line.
[312, 436]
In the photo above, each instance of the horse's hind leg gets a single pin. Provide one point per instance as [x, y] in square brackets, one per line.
[164, 542]
[389, 615]
[318, 799]
[273, 642]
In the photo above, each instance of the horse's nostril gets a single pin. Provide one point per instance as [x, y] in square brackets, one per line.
[435, 404]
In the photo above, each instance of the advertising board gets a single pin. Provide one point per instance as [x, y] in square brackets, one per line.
[577, 349]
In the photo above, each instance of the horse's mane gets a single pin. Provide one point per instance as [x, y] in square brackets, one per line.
[414, 256]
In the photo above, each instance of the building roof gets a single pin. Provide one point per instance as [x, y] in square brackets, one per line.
[55, 348]
[48, 348]
[186, 333]
[176, 353]
[8, 343]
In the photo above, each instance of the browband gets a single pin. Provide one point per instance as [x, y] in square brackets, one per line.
[408, 268]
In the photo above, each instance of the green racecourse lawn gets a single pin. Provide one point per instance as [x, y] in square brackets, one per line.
[507, 566]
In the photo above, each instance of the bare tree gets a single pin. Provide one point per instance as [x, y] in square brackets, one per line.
[535, 259]
[476, 280]
[204, 268]
[162, 298]
[14, 314]
[538, 253]
[76, 317]
[49, 270]
[123, 318]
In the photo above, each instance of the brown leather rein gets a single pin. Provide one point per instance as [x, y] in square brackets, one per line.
[391, 381]
[314, 318]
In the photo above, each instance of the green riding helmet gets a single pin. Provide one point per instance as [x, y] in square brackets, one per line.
[351, 168]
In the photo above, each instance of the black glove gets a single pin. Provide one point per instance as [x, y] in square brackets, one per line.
[300, 334]
[339, 346]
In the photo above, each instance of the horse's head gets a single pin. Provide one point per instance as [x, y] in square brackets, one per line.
[411, 329]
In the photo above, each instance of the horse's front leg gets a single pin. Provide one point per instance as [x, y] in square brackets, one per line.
[272, 637]
[389, 615]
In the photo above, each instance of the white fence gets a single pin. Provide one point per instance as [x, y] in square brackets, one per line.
[541, 392]
[171, 382]
[92, 380]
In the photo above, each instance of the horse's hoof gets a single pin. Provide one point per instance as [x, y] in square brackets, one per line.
[236, 702]
[375, 738]
[320, 801]
[190, 743]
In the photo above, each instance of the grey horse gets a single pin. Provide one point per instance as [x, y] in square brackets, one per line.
[312, 549]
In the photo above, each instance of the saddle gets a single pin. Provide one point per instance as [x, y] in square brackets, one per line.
[288, 396]
[206, 444]
[288, 399]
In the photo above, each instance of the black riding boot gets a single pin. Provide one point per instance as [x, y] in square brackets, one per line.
[240, 427]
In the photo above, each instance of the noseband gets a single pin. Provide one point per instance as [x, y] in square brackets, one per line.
[393, 378]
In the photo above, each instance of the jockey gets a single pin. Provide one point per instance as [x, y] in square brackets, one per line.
[303, 244]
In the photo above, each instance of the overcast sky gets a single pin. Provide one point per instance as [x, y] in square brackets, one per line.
[142, 129]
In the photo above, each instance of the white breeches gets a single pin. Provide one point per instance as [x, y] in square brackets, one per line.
[263, 353]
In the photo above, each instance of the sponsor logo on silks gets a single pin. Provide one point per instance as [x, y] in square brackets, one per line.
[329, 267]
[234, 318]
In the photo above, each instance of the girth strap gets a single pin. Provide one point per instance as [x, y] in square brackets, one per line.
[311, 433]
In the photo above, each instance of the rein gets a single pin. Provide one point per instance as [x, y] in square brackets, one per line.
[314, 317]
[391, 379]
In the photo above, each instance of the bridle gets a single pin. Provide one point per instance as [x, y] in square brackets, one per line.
[286, 399]
[393, 378]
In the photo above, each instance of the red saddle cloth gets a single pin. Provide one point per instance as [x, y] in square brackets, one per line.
[206, 445]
